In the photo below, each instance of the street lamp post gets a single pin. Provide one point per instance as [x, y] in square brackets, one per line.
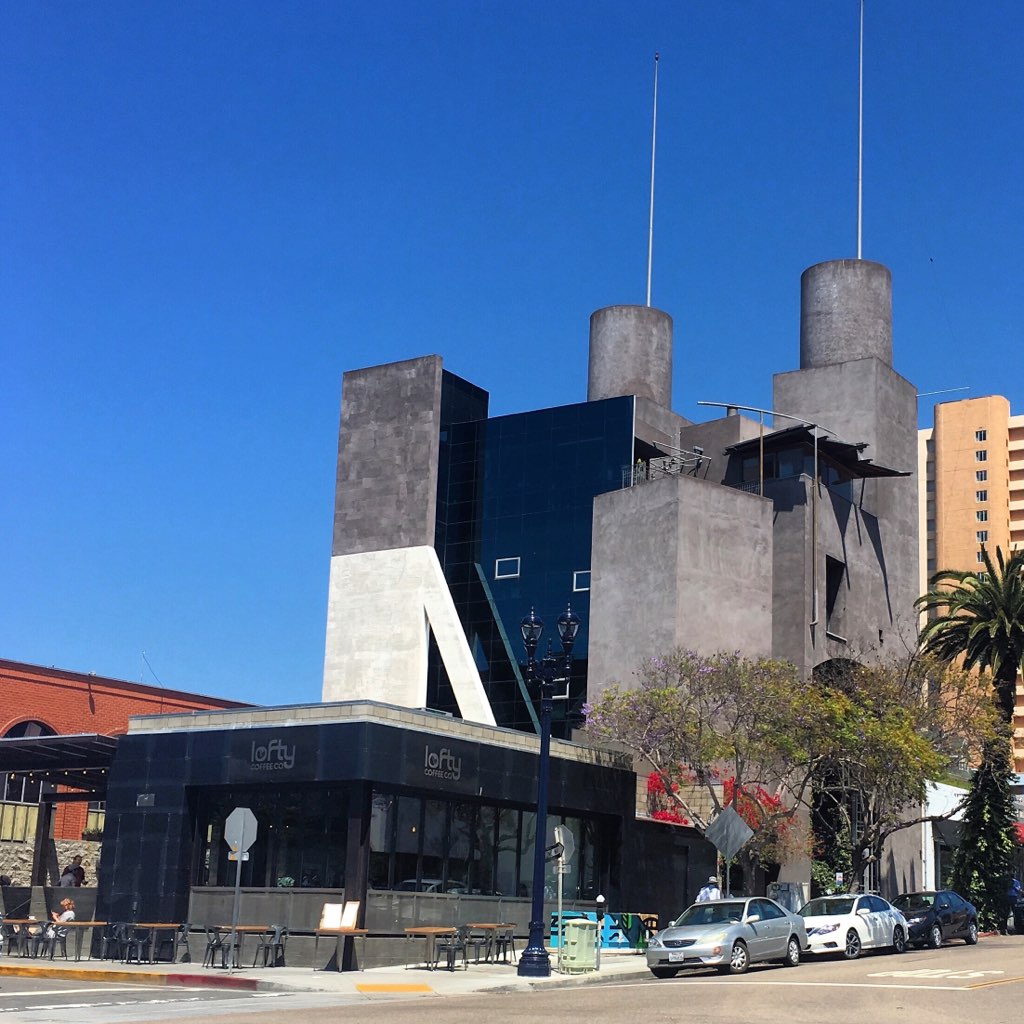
[534, 961]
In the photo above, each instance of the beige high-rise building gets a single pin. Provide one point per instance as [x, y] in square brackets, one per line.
[971, 472]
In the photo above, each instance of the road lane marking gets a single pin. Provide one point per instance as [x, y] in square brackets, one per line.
[934, 972]
[997, 981]
[33, 993]
[799, 984]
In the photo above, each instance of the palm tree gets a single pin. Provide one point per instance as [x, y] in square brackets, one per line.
[979, 616]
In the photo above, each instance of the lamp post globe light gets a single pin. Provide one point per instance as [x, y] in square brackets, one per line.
[534, 961]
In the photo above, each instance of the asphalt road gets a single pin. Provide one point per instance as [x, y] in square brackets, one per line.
[983, 984]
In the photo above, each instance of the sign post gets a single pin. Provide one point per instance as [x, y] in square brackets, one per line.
[239, 833]
[564, 839]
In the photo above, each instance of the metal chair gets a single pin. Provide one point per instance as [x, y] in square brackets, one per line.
[505, 943]
[271, 945]
[112, 941]
[176, 941]
[134, 946]
[218, 944]
[53, 937]
[451, 946]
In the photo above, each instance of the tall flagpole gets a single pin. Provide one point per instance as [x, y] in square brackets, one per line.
[650, 221]
[860, 136]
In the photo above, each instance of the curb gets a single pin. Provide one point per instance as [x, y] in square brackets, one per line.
[134, 978]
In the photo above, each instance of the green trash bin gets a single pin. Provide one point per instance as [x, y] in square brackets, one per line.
[579, 943]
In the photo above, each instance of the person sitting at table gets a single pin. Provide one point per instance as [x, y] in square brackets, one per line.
[67, 913]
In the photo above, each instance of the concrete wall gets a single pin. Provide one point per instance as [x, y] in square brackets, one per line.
[386, 492]
[677, 562]
[865, 400]
[714, 436]
[630, 354]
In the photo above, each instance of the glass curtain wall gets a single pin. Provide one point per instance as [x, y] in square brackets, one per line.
[427, 845]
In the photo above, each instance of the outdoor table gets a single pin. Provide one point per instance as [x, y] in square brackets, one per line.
[79, 930]
[339, 934]
[431, 934]
[241, 930]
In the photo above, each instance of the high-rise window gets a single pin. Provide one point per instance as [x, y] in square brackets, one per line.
[981, 475]
[981, 516]
[981, 455]
[981, 556]
[982, 536]
[981, 435]
[981, 495]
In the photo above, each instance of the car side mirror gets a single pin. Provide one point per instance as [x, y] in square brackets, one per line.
[943, 906]
[863, 912]
[752, 918]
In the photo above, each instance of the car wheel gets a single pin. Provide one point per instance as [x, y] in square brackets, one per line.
[739, 959]
[853, 945]
[664, 972]
[899, 941]
[792, 957]
[935, 936]
[971, 938]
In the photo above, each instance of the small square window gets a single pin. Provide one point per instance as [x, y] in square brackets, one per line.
[983, 576]
[982, 536]
[581, 580]
[931, 525]
[981, 475]
[930, 485]
[981, 495]
[981, 455]
[981, 556]
[981, 516]
[981, 435]
[506, 568]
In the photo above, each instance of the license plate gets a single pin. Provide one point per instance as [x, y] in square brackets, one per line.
[676, 956]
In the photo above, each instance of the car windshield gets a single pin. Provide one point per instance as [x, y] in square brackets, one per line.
[914, 901]
[712, 913]
[828, 906]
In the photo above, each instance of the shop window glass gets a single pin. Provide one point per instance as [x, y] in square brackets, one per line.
[407, 840]
[435, 832]
[383, 819]
[526, 846]
[507, 843]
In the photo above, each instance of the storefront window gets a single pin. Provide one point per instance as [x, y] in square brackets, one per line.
[300, 843]
[458, 846]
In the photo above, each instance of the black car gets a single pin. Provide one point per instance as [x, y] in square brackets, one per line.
[936, 916]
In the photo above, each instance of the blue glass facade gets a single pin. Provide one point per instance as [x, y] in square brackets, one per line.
[515, 506]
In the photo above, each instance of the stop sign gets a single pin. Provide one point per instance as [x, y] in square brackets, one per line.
[240, 829]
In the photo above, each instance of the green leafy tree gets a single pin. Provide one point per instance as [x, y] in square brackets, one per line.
[983, 863]
[724, 729]
[697, 722]
[903, 723]
[979, 617]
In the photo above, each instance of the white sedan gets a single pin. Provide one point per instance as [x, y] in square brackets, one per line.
[848, 924]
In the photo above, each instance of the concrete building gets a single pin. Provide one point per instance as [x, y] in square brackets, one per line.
[971, 495]
[457, 524]
[793, 534]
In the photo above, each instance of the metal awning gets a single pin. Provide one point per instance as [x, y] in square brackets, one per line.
[842, 453]
[79, 762]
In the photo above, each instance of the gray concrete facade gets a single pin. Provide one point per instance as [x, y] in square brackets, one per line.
[845, 313]
[388, 444]
[678, 562]
[630, 354]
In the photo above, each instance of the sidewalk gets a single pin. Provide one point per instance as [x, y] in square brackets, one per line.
[378, 980]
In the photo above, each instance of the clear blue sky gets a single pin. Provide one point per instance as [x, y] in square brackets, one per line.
[209, 211]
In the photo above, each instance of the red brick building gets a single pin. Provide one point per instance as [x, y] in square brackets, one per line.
[37, 701]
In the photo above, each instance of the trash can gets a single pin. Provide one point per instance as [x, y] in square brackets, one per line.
[579, 942]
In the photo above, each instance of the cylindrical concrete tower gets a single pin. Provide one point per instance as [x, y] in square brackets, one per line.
[630, 354]
[845, 313]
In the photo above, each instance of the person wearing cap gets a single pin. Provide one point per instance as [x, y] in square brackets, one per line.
[710, 891]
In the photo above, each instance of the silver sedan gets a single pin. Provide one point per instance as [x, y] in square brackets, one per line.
[728, 934]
